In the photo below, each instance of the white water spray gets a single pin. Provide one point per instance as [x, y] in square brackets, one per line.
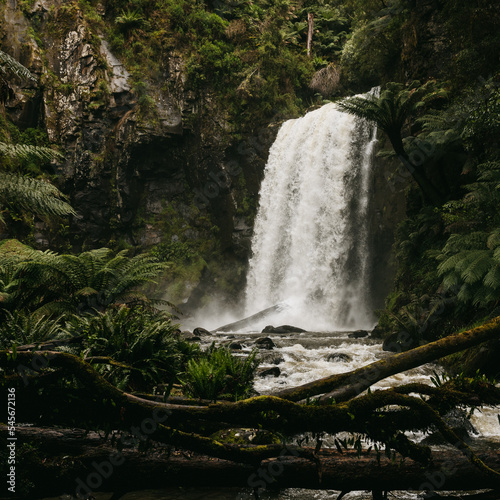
[310, 244]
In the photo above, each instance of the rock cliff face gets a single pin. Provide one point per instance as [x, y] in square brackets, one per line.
[132, 155]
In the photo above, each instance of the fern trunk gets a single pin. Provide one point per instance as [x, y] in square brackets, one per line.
[428, 189]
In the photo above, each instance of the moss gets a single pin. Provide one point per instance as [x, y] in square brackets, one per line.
[14, 248]
[246, 436]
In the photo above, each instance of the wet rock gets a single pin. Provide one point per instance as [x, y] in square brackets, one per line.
[399, 342]
[235, 346]
[265, 343]
[271, 358]
[377, 332]
[282, 329]
[189, 336]
[338, 357]
[458, 422]
[269, 372]
[358, 334]
[201, 332]
[245, 436]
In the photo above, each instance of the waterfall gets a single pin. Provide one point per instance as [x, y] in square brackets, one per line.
[310, 247]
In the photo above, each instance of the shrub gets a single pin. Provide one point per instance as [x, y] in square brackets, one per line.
[142, 347]
[20, 328]
[219, 375]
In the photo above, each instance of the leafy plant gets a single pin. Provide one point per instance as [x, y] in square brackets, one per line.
[218, 374]
[20, 328]
[470, 260]
[36, 196]
[52, 283]
[134, 348]
[129, 20]
[390, 112]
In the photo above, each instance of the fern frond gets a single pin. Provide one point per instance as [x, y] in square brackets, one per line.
[492, 277]
[476, 266]
[9, 64]
[27, 152]
[34, 195]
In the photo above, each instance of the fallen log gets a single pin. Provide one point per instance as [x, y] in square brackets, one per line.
[60, 472]
[182, 426]
[248, 321]
[344, 386]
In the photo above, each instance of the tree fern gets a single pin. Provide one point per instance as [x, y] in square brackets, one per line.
[492, 277]
[470, 266]
[33, 195]
[89, 282]
[390, 112]
[27, 152]
[37, 196]
[476, 266]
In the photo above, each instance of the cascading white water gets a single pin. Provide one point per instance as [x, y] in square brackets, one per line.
[310, 243]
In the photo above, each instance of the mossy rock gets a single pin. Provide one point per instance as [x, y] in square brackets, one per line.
[245, 436]
[11, 248]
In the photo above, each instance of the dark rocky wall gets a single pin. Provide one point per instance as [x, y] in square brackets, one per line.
[124, 162]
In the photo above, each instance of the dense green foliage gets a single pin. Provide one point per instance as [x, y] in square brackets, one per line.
[97, 298]
[18, 191]
[447, 275]
[246, 63]
[144, 344]
[450, 251]
[250, 54]
[218, 374]
[48, 283]
[391, 111]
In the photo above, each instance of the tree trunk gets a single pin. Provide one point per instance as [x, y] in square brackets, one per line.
[245, 322]
[428, 189]
[100, 405]
[344, 386]
[310, 25]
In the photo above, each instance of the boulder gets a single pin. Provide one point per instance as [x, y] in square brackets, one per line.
[265, 343]
[399, 342]
[358, 334]
[459, 423]
[269, 372]
[377, 332]
[235, 346]
[201, 332]
[271, 358]
[338, 357]
[282, 329]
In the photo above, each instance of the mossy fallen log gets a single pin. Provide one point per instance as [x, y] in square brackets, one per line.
[75, 460]
[347, 385]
